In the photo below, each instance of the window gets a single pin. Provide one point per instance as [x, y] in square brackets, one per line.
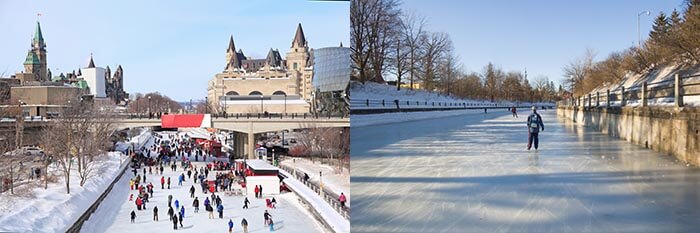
[279, 93]
[231, 93]
[295, 65]
[255, 93]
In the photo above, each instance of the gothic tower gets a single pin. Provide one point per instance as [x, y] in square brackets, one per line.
[298, 54]
[233, 60]
[36, 58]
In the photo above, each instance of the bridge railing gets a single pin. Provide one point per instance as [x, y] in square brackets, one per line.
[669, 91]
[330, 197]
[370, 106]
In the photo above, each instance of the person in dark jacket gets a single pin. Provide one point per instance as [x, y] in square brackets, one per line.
[192, 191]
[171, 212]
[195, 204]
[245, 203]
[534, 126]
[230, 226]
[179, 219]
[244, 224]
[267, 217]
[155, 213]
[220, 209]
[174, 223]
[133, 216]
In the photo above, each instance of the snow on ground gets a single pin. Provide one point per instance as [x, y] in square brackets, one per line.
[473, 174]
[52, 210]
[333, 218]
[113, 215]
[332, 180]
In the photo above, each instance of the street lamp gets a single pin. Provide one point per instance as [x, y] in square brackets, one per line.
[639, 34]
[206, 104]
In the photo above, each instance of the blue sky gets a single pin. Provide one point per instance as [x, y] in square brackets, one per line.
[540, 35]
[173, 47]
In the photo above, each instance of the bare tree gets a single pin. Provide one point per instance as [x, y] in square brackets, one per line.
[435, 45]
[412, 31]
[577, 70]
[373, 23]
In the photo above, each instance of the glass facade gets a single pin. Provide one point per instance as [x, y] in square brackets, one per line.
[332, 67]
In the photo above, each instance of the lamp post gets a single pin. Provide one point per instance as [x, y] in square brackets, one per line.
[639, 34]
[206, 104]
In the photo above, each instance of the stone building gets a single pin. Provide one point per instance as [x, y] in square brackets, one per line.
[271, 84]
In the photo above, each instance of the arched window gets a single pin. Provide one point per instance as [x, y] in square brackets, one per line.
[279, 93]
[231, 93]
[255, 93]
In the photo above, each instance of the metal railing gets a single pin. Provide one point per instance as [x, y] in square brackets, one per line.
[249, 116]
[371, 106]
[330, 197]
[672, 90]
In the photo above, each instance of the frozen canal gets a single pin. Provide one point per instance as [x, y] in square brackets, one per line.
[472, 173]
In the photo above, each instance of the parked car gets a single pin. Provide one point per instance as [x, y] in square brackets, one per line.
[32, 150]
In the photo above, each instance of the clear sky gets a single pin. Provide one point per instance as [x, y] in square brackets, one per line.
[173, 47]
[540, 35]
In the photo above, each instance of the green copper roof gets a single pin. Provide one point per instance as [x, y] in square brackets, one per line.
[82, 84]
[37, 34]
[32, 59]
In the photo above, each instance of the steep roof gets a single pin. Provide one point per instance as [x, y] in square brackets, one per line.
[32, 58]
[92, 63]
[38, 37]
[274, 58]
[299, 38]
[231, 45]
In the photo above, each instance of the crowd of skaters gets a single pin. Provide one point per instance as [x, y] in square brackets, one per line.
[180, 152]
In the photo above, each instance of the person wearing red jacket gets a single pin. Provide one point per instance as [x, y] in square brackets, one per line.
[162, 182]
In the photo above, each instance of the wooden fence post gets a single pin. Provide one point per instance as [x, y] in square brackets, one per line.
[622, 97]
[644, 94]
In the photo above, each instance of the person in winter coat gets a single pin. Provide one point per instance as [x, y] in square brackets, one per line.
[180, 179]
[272, 225]
[220, 209]
[210, 209]
[133, 216]
[155, 213]
[168, 182]
[171, 212]
[342, 200]
[131, 184]
[179, 219]
[245, 203]
[162, 182]
[261, 192]
[138, 203]
[256, 190]
[244, 224]
[170, 199]
[230, 226]
[218, 200]
[195, 204]
[192, 191]
[182, 211]
[174, 219]
[534, 126]
[267, 217]
[189, 174]
[177, 204]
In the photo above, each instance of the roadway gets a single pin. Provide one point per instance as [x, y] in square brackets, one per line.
[472, 173]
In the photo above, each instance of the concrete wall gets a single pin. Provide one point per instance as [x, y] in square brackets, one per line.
[670, 130]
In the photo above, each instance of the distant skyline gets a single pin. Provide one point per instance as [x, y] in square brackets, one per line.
[172, 47]
[540, 35]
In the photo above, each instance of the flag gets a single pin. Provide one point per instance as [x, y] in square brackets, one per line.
[38, 14]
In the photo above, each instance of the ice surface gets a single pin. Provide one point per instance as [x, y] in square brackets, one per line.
[472, 173]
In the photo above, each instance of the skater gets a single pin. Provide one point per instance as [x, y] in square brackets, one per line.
[133, 216]
[515, 112]
[267, 217]
[177, 204]
[171, 212]
[189, 174]
[179, 219]
[192, 191]
[230, 225]
[261, 192]
[131, 184]
[256, 190]
[162, 182]
[170, 199]
[244, 223]
[138, 203]
[168, 182]
[245, 203]
[209, 209]
[182, 211]
[180, 179]
[272, 225]
[342, 200]
[195, 204]
[155, 213]
[174, 219]
[220, 209]
[534, 125]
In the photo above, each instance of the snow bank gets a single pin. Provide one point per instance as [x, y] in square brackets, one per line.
[52, 210]
[336, 183]
[333, 218]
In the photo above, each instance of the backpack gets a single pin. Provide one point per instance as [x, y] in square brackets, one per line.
[534, 122]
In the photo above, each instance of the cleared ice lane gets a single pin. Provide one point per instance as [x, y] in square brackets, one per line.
[472, 173]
